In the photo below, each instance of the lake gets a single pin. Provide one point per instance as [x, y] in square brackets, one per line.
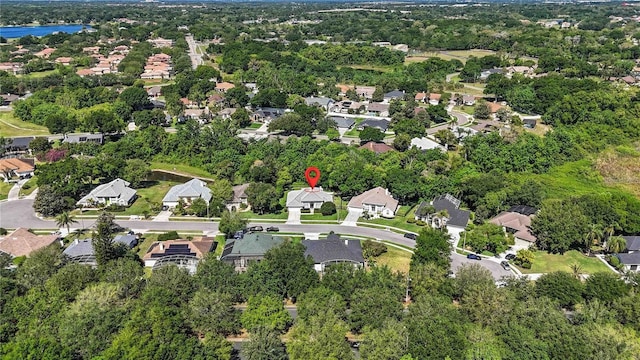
[12, 32]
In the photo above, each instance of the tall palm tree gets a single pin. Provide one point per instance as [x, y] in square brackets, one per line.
[616, 244]
[64, 220]
[593, 237]
[576, 269]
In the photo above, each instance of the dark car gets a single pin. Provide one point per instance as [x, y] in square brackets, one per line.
[238, 234]
[410, 236]
[505, 265]
[510, 256]
[256, 228]
[474, 257]
[273, 229]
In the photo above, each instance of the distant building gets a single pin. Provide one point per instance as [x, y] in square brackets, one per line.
[82, 138]
[14, 168]
[378, 148]
[239, 198]
[81, 251]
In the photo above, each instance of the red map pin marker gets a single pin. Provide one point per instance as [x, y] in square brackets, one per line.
[312, 180]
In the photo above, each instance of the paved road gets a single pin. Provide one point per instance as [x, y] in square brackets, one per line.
[196, 59]
[19, 213]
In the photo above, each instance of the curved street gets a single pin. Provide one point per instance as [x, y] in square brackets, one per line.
[19, 213]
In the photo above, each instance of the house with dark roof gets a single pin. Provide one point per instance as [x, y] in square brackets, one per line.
[380, 124]
[266, 115]
[81, 250]
[523, 209]
[308, 198]
[630, 259]
[183, 253]
[444, 211]
[239, 198]
[375, 202]
[18, 144]
[22, 242]
[187, 192]
[378, 109]
[393, 95]
[342, 122]
[116, 192]
[251, 248]
[378, 148]
[333, 250]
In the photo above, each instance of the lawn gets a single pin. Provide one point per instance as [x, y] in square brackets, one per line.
[251, 215]
[465, 109]
[544, 262]
[182, 169]
[400, 221]
[254, 126]
[147, 196]
[12, 126]
[29, 186]
[396, 259]
[4, 189]
[39, 74]
[147, 240]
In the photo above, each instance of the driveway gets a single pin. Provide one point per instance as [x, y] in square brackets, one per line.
[496, 269]
[352, 217]
[163, 216]
[294, 216]
[14, 193]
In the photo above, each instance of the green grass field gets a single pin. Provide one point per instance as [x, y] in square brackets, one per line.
[12, 126]
[29, 186]
[181, 169]
[254, 126]
[544, 262]
[251, 215]
[396, 259]
[4, 189]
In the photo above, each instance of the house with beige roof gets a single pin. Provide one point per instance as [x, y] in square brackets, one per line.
[224, 86]
[22, 242]
[183, 253]
[377, 202]
[517, 223]
[45, 53]
[14, 168]
[308, 198]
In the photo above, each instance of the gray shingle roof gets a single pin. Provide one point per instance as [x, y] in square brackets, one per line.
[297, 198]
[192, 189]
[254, 244]
[117, 188]
[395, 94]
[333, 249]
[447, 202]
[633, 243]
[629, 259]
[84, 246]
[380, 124]
[319, 101]
[342, 122]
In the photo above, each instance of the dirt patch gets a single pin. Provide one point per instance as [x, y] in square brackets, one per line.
[621, 167]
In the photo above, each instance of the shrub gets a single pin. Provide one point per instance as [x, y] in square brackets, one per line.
[614, 261]
[305, 211]
[421, 223]
[372, 249]
[3, 231]
[115, 208]
[171, 235]
[26, 186]
[411, 221]
[526, 265]
[17, 261]
[328, 208]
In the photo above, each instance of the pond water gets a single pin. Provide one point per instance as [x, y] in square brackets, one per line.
[158, 175]
[12, 32]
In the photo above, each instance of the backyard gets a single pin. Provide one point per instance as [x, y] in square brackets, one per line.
[396, 259]
[544, 262]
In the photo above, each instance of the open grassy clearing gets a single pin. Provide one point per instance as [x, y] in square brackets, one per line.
[396, 259]
[12, 126]
[461, 55]
[254, 126]
[181, 169]
[39, 74]
[544, 262]
[540, 129]
[465, 109]
[621, 167]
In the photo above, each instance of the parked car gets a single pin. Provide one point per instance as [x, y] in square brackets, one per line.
[505, 265]
[273, 229]
[474, 257]
[238, 234]
[256, 228]
[510, 257]
[411, 236]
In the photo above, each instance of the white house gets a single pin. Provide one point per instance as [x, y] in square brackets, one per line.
[187, 192]
[375, 202]
[424, 143]
[116, 192]
[308, 198]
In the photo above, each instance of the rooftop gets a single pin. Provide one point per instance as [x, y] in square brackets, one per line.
[518, 223]
[253, 244]
[451, 204]
[297, 198]
[333, 249]
[376, 196]
[191, 189]
[21, 242]
[378, 148]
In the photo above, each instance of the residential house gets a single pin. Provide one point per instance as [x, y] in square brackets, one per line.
[424, 143]
[530, 123]
[308, 198]
[84, 72]
[380, 124]
[187, 192]
[446, 212]
[468, 100]
[266, 115]
[66, 61]
[224, 86]
[333, 250]
[227, 112]
[434, 99]
[494, 107]
[343, 122]
[182, 253]
[161, 43]
[14, 68]
[12, 168]
[116, 192]
[323, 102]
[462, 132]
[154, 91]
[630, 259]
[524, 70]
[365, 91]
[486, 126]
[83, 138]
[421, 97]
[378, 109]
[484, 75]
[216, 100]
[517, 221]
[22, 242]
[343, 89]
[377, 202]
[18, 145]
[248, 249]
[347, 106]
[156, 104]
[201, 115]
[8, 99]
[81, 251]
[393, 95]
[45, 53]
[240, 198]
[378, 148]
[91, 49]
